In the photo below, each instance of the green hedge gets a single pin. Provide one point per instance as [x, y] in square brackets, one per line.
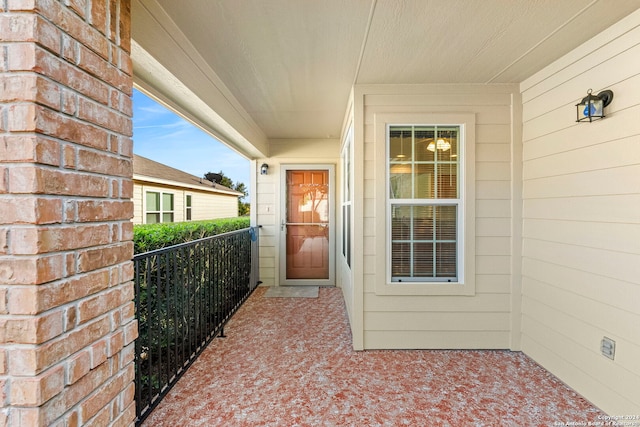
[148, 237]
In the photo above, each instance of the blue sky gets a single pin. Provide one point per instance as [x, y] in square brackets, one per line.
[161, 135]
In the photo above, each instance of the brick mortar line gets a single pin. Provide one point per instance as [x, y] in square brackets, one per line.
[62, 169]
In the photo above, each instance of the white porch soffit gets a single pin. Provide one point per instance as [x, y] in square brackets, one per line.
[253, 70]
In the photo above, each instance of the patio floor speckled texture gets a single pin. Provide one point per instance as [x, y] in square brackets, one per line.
[289, 362]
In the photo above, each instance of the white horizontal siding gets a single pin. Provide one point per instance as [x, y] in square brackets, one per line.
[493, 245]
[481, 303]
[602, 156]
[581, 371]
[619, 294]
[493, 284]
[479, 321]
[493, 171]
[435, 321]
[613, 208]
[581, 220]
[610, 236]
[600, 182]
[459, 340]
[138, 214]
[211, 206]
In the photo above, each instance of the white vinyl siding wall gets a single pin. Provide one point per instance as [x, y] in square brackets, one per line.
[211, 206]
[480, 320]
[581, 220]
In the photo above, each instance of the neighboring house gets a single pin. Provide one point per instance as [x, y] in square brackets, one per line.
[164, 194]
[423, 156]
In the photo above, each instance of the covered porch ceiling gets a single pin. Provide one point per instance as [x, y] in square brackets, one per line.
[251, 71]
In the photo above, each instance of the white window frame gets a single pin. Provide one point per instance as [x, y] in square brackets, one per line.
[162, 211]
[188, 210]
[434, 202]
[465, 281]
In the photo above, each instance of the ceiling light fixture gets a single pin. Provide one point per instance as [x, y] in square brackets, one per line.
[441, 144]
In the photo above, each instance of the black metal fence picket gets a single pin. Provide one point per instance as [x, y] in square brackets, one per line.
[185, 294]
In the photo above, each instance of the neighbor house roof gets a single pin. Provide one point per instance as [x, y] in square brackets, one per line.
[154, 172]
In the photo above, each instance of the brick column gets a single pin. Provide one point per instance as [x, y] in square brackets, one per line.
[67, 321]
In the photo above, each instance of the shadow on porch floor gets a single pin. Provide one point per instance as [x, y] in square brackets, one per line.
[288, 361]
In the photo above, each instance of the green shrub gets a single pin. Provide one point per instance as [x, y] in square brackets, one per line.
[149, 237]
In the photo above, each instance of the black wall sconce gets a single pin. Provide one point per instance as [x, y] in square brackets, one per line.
[592, 106]
[264, 169]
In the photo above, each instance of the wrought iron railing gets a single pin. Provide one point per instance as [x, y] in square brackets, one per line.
[185, 294]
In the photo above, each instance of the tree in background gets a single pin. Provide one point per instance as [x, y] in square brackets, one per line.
[222, 179]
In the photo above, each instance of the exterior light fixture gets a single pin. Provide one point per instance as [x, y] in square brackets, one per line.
[441, 144]
[264, 169]
[592, 106]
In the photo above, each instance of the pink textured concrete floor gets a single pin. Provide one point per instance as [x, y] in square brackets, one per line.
[289, 362]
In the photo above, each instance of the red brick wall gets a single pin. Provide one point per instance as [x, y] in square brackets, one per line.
[67, 322]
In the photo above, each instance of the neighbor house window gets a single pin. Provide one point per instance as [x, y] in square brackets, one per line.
[188, 207]
[424, 202]
[159, 207]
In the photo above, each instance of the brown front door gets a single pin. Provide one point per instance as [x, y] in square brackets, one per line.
[307, 226]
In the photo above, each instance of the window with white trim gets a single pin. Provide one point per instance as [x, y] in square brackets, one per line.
[188, 207]
[159, 207]
[424, 202]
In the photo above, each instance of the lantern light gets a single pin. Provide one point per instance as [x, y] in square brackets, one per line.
[591, 107]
